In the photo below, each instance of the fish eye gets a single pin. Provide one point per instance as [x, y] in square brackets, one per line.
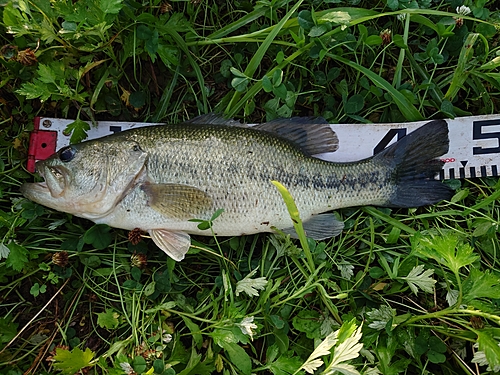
[136, 148]
[67, 154]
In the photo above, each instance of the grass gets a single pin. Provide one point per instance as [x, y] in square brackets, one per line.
[418, 288]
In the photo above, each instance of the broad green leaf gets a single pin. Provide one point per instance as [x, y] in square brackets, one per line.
[309, 322]
[98, 236]
[267, 84]
[108, 319]
[237, 73]
[238, 357]
[305, 20]
[139, 364]
[36, 289]
[71, 362]
[374, 40]
[144, 32]
[137, 99]
[354, 104]
[318, 30]
[436, 357]
[338, 17]
[285, 365]
[195, 331]
[8, 329]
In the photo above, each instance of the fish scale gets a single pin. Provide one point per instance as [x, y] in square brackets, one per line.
[158, 178]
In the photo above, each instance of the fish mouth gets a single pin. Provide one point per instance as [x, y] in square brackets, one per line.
[53, 186]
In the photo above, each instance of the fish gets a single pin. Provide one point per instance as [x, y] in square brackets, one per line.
[161, 179]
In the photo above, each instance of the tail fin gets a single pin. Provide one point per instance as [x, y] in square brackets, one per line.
[415, 163]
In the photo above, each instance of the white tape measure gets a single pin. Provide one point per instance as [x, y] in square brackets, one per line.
[474, 142]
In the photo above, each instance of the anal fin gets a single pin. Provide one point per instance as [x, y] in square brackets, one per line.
[174, 244]
[319, 227]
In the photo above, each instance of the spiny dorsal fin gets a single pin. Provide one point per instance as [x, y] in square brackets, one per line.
[312, 134]
[213, 119]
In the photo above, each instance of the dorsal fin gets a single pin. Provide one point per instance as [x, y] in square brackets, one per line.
[312, 134]
[213, 119]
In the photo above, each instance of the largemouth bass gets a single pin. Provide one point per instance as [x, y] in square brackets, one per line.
[158, 178]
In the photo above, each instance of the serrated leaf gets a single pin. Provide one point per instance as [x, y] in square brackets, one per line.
[447, 250]
[71, 362]
[34, 90]
[46, 74]
[481, 285]
[489, 346]
[111, 6]
[380, 317]
[4, 251]
[78, 130]
[311, 366]
[17, 258]
[251, 286]
[108, 319]
[420, 278]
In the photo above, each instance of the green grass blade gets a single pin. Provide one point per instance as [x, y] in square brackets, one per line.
[199, 75]
[461, 72]
[297, 222]
[407, 109]
[256, 60]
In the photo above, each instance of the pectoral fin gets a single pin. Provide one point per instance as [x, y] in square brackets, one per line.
[182, 202]
[319, 227]
[174, 244]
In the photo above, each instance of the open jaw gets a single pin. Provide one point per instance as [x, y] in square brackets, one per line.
[52, 187]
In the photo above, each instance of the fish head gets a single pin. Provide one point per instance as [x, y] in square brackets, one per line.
[88, 179]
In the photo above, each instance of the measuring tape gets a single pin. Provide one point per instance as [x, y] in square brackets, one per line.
[474, 142]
